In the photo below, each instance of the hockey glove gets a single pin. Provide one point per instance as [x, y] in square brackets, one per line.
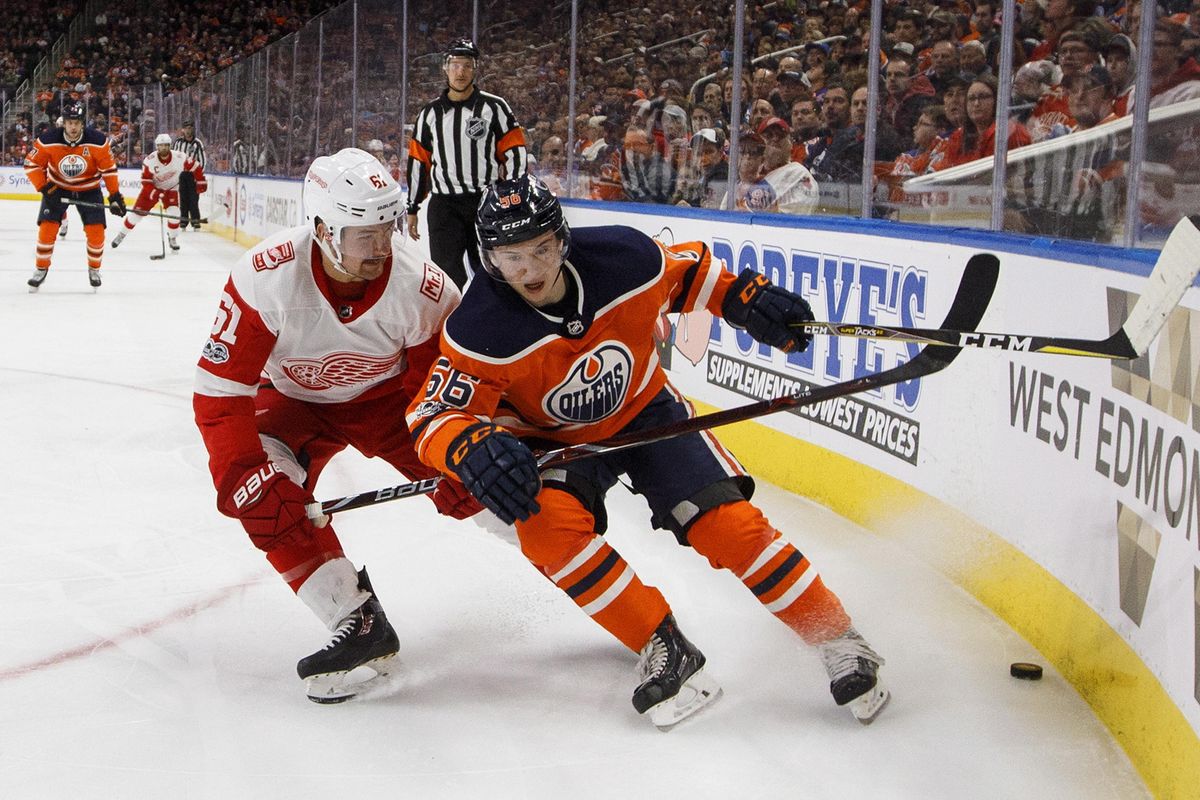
[49, 189]
[270, 507]
[116, 204]
[768, 313]
[453, 500]
[498, 470]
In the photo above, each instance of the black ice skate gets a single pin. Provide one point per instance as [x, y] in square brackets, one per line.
[94, 277]
[363, 639]
[853, 669]
[674, 685]
[39, 277]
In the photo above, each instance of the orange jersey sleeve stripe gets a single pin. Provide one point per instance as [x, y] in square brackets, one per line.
[514, 138]
[418, 151]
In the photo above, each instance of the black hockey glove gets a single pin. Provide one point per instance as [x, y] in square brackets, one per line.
[116, 204]
[501, 472]
[49, 189]
[768, 313]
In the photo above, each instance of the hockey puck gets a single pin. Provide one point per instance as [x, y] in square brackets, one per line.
[1025, 671]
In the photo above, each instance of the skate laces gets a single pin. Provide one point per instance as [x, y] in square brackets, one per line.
[841, 655]
[653, 658]
[344, 630]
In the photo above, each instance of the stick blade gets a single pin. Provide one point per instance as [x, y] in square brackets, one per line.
[1176, 269]
[969, 304]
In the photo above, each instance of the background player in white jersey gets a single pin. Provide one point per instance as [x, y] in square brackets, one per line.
[341, 320]
[559, 347]
[161, 172]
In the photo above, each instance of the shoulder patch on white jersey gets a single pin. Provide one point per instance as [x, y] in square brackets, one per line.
[274, 257]
[433, 282]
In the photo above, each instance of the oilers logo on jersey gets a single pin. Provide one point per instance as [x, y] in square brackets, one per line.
[72, 165]
[595, 386]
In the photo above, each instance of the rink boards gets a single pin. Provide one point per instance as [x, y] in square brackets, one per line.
[1063, 493]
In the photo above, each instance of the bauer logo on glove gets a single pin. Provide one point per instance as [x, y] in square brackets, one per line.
[250, 490]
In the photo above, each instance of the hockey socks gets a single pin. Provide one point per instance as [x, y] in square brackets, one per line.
[561, 542]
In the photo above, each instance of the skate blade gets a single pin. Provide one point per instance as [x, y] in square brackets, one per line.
[33, 289]
[697, 692]
[328, 688]
[867, 706]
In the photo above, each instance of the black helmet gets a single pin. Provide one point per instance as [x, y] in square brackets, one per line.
[462, 47]
[72, 111]
[517, 210]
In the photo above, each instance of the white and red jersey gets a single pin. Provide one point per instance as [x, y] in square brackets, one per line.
[281, 319]
[164, 175]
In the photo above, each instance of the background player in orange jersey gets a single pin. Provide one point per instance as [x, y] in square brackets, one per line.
[68, 163]
[559, 347]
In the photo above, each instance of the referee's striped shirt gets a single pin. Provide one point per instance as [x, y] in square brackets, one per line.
[191, 148]
[462, 147]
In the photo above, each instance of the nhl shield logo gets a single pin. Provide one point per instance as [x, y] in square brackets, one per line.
[476, 127]
[575, 327]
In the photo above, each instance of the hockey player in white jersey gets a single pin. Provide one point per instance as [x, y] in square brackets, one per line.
[324, 334]
[160, 184]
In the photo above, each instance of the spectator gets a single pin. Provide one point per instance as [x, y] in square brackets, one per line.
[907, 94]
[977, 137]
[706, 179]
[646, 175]
[792, 186]
[1121, 61]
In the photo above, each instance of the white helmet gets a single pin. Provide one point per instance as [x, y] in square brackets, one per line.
[162, 138]
[375, 145]
[348, 189]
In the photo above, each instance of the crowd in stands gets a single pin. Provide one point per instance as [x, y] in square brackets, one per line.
[128, 46]
[654, 90]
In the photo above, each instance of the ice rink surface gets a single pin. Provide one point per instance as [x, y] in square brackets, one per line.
[149, 651]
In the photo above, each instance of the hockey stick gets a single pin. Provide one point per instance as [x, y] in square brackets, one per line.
[1176, 269]
[971, 300]
[86, 204]
[162, 239]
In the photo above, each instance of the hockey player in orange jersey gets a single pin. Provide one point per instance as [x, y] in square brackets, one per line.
[558, 348]
[69, 163]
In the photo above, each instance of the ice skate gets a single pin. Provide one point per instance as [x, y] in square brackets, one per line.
[853, 669]
[116, 242]
[363, 639]
[62, 229]
[674, 685]
[39, 277]
[173, 241]
[94, 277]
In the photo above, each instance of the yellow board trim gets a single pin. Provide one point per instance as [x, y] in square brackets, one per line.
[1122, 691]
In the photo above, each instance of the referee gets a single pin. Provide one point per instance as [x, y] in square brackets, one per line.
[189, 198]
[463, 141]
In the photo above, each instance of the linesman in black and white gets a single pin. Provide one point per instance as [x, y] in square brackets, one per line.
[189, 198]
[462, 142]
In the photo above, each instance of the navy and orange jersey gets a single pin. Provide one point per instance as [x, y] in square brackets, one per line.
[77, 166]
[463, 146]
[577, 378]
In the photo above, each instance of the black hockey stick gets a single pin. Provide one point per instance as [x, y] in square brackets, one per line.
[971, 300]
[162, 239]
[1176, 269]
[86, 204]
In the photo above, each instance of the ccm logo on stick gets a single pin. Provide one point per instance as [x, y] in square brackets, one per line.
[998, 340]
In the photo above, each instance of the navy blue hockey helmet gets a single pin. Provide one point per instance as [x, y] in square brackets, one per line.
[516, 210]
[462, 47]
[72, 111]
